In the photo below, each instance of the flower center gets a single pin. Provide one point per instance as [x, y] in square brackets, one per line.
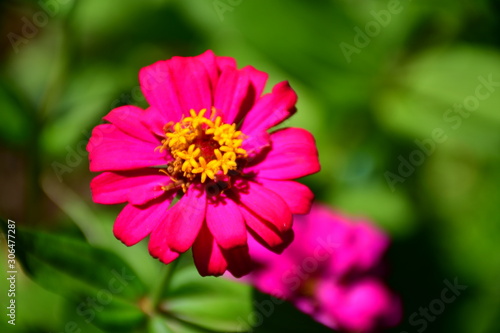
[202, 147]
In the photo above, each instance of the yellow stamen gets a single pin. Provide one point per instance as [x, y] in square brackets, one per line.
[202, 147]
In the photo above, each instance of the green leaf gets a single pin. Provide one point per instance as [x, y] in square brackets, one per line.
[28, 296]
[70, 258]
[216, 304]
[104, 288]
[158, 325]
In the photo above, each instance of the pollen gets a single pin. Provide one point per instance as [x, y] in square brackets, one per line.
[202, 147]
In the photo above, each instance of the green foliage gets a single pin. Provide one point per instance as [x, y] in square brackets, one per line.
[368, 111]
[214, 303]
[105, 289]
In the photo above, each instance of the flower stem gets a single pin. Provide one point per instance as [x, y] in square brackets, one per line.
[167, 273]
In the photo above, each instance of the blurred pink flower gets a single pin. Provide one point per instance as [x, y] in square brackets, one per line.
[204, 139]
[331, 272]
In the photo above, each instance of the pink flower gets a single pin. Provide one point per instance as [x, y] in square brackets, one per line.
[331, 272]
[204, 140]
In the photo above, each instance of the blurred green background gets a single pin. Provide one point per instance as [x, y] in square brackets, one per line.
[376, 81]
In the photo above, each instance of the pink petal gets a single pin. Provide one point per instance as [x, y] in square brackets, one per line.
[208, 59]
[158, 241]
[258, 80]
[214, 65]
[362, 306]
[184, 220]
[367, 236]
[321, 226]
[158, 245]
[274, 273]
[176, 86]
[226, 224]
[155, 121]
[111, 149]
[293, 155]
[297, 196]
[255, 144]
[237, 92]
[207, 255]
[266, 204]
[158, 88]
[264, 232]
[356, 247]
[135, 186]
[224, 62]
[128, 119]
[164, 254]
[136, 222]
[192, 83]
[238, 261]
[271, 109]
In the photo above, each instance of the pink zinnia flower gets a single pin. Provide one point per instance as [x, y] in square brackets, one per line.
[331, 272]
[204, 139]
